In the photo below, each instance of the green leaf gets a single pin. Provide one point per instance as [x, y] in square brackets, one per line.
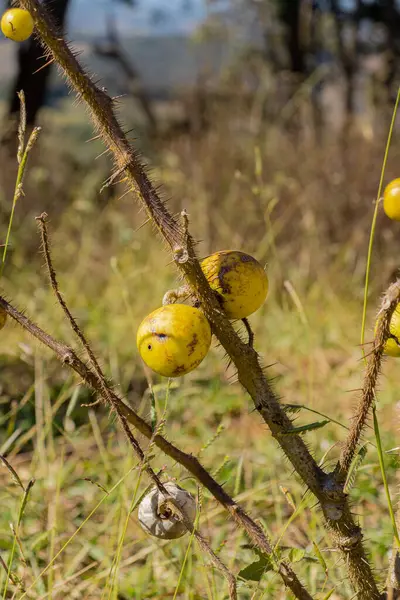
[292, 408]
[305, 428]
[329, 594]
[319, 556]
[354, 466]
[296, 554]
[256, 570]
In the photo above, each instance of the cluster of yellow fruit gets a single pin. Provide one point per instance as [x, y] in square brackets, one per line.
[17, 24]
[174, 339]
[391, 206]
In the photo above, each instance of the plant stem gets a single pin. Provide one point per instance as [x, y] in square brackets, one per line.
[68, 357]
[346, 534]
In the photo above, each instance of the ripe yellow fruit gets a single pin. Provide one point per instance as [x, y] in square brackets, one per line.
[239, 280]
[17, 24]
[391, 200]
[174, 339]
[3, 318]
[391, 346]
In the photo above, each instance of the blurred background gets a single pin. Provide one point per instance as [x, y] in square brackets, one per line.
[267, 120]
[307, 86]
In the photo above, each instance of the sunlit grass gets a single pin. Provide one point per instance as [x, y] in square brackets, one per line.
[79, 535]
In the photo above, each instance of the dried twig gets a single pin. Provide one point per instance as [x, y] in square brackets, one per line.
[68, 357]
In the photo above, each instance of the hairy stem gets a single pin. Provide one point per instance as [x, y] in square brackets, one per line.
[122, 418]
[333, 501]
[374, 363]
[68, 357]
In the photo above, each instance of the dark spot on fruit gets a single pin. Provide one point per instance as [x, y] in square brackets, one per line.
[149, 347]
[246, 258]
[161, 336]
[192, 345]
[179, 370]
[226, 289]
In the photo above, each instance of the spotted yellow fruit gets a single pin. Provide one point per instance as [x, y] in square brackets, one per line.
[239, 280]
[391, 346]
[17, 24]
[3, 318]
[174, 339]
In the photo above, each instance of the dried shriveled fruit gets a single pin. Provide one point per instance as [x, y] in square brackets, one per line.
[161, 522]
[239, 280]
[174, 339]
[17, 24]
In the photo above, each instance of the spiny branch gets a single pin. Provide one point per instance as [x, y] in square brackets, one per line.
[389, 303]
[250, 374]
[181, 244]
[68, 357]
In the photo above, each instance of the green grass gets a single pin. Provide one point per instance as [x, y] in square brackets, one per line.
[78, 536]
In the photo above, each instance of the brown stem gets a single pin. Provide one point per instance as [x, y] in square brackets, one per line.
[389, 303]
[181, 243]
[250, 374]
[68, 357]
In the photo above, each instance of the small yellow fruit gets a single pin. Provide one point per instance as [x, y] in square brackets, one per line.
[239, 279]
[3, 318]
[391, 200]
[17, 24]
[174, 339]
[391, 346]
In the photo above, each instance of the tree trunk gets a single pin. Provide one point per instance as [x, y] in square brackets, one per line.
[291, 17]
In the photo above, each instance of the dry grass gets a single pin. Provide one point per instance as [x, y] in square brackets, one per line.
[260, 187]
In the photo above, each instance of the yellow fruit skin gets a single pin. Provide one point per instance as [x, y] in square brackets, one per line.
[17, 24]
[3, 318]
[391, 347]
[391, 200]
[174, 339]
[239, 279]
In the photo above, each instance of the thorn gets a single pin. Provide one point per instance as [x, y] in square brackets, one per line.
[106, 151]
[96, 137]
[143, 224]
[47, 64]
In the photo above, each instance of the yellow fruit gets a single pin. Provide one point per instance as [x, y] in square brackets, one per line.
[17, 24]
[174, 339]
[3, 318]
[239, 280]
[391, 200]
[391, 347]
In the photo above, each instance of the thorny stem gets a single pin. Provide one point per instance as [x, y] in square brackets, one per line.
[91, 356]
[346, 534]
[182, 245]
[374, 363]
[68, 357]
